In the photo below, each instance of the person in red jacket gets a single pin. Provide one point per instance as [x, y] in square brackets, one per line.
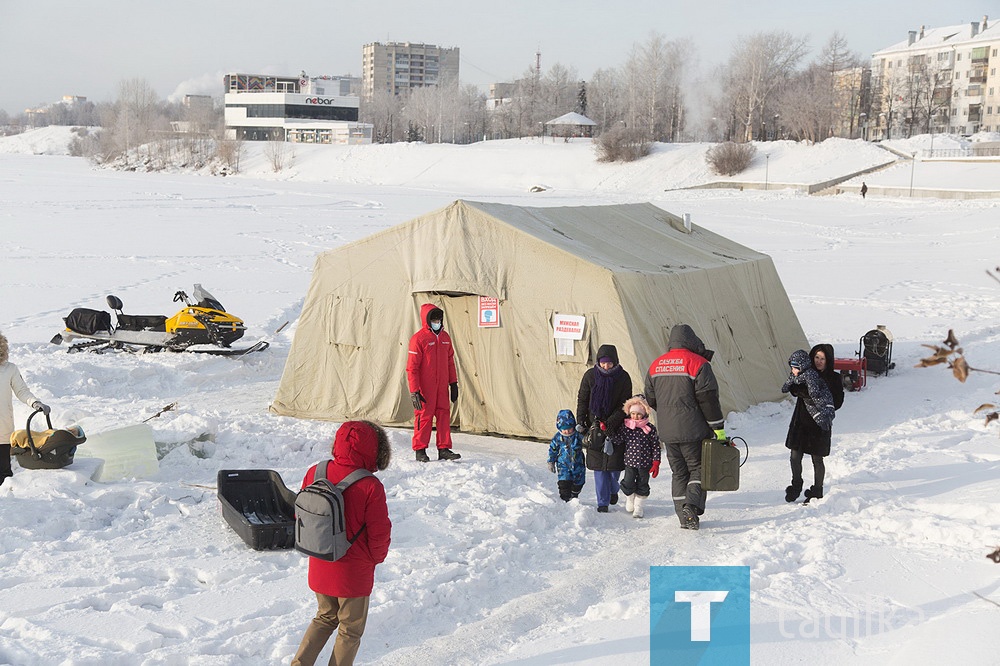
[343, 587]
[430, 373]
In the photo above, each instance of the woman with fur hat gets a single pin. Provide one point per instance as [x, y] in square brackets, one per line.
[11, 384]
[642, 453]
[343, 587]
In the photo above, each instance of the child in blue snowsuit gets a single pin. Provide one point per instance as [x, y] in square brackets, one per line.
[566, 456]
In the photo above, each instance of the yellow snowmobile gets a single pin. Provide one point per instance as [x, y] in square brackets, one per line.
[201, 326]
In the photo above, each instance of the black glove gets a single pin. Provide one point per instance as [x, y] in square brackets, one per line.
[454, 391]
[41, 406]
[418, 400]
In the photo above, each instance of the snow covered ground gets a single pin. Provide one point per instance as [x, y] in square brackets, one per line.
[487, 566]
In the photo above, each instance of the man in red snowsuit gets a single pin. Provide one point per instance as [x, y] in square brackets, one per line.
[430, 373]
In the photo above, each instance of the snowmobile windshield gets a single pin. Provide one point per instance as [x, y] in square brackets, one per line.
[203, 299]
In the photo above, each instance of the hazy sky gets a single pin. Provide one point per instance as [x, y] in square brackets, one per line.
[51, 48]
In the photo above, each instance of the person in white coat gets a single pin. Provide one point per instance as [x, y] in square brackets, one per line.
[11, 384]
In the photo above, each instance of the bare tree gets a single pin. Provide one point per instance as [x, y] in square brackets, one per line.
[382, 110]
[559, 92]
[805, 103]
[136, 111]
[421, 114]
[889, 85]
[844, 78]
[758, 66]
[653, 87]
[931, 88]
[277, 150]
[606, 103]
[230, 153]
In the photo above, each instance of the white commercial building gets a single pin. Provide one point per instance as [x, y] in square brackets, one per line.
[301, 109]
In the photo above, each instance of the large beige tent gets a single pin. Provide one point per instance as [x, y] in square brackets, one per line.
[631, 271]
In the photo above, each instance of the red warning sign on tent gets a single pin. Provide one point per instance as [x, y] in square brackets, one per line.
[489, 312]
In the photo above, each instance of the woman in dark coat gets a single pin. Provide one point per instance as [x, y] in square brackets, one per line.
[603, 391]
[804, 436]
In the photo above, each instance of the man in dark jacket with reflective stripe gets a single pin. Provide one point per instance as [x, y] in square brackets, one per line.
[682, 388]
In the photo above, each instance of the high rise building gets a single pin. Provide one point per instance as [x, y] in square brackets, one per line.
[398, 67]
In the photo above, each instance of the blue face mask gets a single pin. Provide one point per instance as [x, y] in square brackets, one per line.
[435, 326]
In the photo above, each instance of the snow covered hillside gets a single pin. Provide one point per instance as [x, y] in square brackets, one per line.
[487, 566]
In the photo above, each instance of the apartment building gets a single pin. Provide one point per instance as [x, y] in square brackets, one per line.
[301, 109]
[398, 67]
[937, 80]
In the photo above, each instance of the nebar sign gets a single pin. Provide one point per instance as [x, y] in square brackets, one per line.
[320, 100]
[699, 615]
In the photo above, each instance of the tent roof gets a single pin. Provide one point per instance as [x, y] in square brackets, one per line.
[571, 118]
[634, 238]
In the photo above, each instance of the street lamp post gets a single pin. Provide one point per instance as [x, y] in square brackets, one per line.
[913, 164]
[863, 119]
[767, 162]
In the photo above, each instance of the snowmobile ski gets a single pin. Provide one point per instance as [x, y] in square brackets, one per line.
[260, 345]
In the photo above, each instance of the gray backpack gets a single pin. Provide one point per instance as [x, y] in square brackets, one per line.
[320, 528]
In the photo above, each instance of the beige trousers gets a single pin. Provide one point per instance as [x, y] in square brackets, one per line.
[345, 615]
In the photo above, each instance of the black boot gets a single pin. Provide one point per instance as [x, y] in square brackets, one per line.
[422, 455]
[792, 491]
[448, 454]
[614, 498]
[565, 490]
[689, 518]
[814, 493]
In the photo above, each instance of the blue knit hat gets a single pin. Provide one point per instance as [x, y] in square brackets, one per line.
[565, 420]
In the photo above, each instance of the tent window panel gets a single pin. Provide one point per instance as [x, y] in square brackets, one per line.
[347, 320]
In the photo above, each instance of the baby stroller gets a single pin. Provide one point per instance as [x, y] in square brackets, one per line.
[49, 449]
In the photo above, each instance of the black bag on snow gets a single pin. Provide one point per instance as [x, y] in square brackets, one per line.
[320, 527]
[88, 322]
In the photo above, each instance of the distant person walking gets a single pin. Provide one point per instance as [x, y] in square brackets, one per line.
[430, 373]
[11, 384]
[682, 388]
[864, 189]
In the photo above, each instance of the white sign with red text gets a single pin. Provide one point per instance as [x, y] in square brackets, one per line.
[489, 312]
[567, 326]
